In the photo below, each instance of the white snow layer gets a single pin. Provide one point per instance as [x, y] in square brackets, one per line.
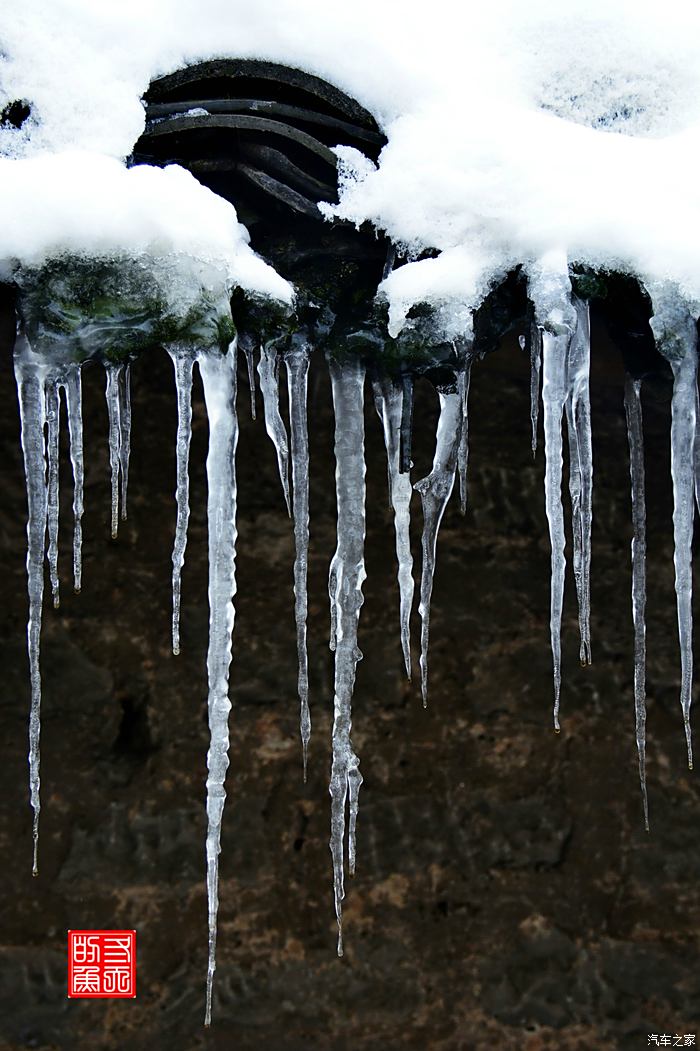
[514, 130]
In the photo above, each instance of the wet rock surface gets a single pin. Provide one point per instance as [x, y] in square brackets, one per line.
[506, 895]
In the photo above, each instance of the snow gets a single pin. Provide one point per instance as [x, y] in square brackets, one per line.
[513, 130]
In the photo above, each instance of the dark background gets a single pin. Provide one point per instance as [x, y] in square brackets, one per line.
[507, 894]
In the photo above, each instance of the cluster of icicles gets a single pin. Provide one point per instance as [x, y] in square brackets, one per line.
[560, 354]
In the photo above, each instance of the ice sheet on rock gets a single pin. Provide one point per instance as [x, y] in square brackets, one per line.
[182, 357]
[53, 411]
[218, 372]
[635, 437]
[30, 375]
[268, 370]
[74, 406]
[675, 331]
[388, 401]
[347, 576]
[578, 417]
[297, 365]
[463, 382]
[435, 490]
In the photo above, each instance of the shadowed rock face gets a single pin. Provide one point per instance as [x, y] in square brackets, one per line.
[506, 896]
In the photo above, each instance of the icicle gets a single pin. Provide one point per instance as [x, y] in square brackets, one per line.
[696, 450]
[53, 411]
[74, 404]
[30, 375]
[113, 410]
[218, 372]
[183, 360]
[463, 380]
[347, 574]
[435, 491]
[124, 432]
[675, 331]
[268, 370]
[296, 361]
[246, 344]
[578, 415]
[388, 401]
[635, 435]
[535, 372]
[406, 421]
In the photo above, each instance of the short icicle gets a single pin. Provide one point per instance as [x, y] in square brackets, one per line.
[463, 382]
[30, 374]
[218, 372]
[675, 331]
[348, 575]
[435, 491]
[535, 377]
[578, 418]
[113, 411]
[635, 436]
[124, 433]
[53, 417]
[268, 370]
[246, 344]
[182, 357]
[296, 362]
[388, 401]
[74, 406]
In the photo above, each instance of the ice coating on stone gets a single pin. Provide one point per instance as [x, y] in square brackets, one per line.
[113, 405]
[53, 410]
[388, 401]
[182, 357]
[635, 437]
[675, 332]
[247, 347]
[535, 376]
[578, 417]
[30, 374]
[463, 382]
[218, 372]
[346, 576]
[435, 491]
[74, 406]
[124, 433]
[296, 361]
[268, 370]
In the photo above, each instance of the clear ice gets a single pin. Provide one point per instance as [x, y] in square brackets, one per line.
[182, 357]
[118, 397]
[268, 370]
[346, 577]
[463, 381]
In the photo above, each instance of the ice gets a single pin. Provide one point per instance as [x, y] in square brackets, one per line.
[30, 373]
[346, 578]
[246, 344]
[435, 491]
[218, 372]
[74, 405]
[296, 361]
[535, 376]
[182, 357]
[578, 417]
[463, 381]
[53, 410]
[388, 401]
[113, 405]
[124, 433]
[268, 370]
[675, 331]
[635, 436]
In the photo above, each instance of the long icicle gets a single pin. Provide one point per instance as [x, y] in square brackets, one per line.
[388, 401]
[268, 370]
[218, 372]
[182, 357]
[435, 491]
[348, 574]
[113, 407]
[675, 330]
[535, 377]
[53, 416]
[124, 433]
[635, 436]
[30, 374]
[464, 379]
[578, 417]
[74, 405]
[296, 362]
